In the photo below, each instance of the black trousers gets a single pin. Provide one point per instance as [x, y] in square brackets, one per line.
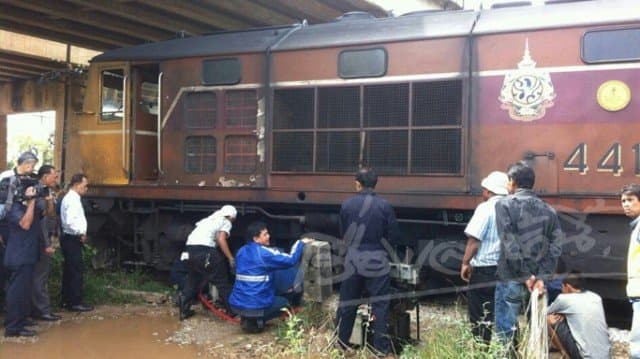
[207, 264]
[481, 301]
[18, 297]
[370, 271]
[73, 269]
[40, 292]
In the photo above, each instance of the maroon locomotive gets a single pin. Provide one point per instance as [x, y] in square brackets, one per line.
[277, 120]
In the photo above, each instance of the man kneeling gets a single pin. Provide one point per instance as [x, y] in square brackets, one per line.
[576, 321]
[254, 293]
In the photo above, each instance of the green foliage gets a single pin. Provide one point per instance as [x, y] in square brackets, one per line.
[292, 332]
[454, 340]
[102, 287]
[43, 148]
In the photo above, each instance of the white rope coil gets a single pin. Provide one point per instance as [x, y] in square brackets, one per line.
[537, 341]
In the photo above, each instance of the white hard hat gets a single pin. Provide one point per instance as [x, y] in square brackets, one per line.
[496, 182]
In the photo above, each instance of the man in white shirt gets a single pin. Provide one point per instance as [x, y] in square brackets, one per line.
[209, 259]
[481, 256]
[74, 235]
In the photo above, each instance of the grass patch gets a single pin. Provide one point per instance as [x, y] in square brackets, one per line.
[101, 287]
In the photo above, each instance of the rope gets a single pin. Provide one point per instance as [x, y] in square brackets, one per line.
[537, 341]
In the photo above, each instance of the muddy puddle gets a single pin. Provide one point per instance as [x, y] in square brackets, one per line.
[106, 333]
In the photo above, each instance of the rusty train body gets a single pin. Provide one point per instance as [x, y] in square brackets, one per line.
[277, 120]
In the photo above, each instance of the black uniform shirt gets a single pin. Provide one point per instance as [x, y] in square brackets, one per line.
[365, 219]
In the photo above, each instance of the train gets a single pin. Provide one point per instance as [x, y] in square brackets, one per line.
[277, 120]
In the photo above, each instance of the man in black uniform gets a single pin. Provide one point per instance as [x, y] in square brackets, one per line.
[366, 221]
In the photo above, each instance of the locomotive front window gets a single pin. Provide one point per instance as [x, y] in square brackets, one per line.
[200, 154]
[612, 45]
[242, 108]
[240, 154]
[112, 108]
[200, 110]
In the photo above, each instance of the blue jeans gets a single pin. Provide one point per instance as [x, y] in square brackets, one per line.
[509, 298]
[634, 337]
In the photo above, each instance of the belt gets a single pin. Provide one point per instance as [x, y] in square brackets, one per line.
[252, 278]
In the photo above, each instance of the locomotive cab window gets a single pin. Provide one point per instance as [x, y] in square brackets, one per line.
[112, 101]
[362, 63]
[614, 45]
[149, 97]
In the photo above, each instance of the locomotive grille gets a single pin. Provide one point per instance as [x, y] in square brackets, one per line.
[436, 151]
[386, 151]
[338, 151]
[200, 110]
[339, 107]
[406, 128]
[200, 154]
[240, 154]
[293, 109]
[293, 151]
[437, 103]
[242, 108]
[386, 105]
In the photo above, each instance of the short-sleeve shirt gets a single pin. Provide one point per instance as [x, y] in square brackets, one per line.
[482, 227]
[22, 246]
[206, 231]
[585, 316]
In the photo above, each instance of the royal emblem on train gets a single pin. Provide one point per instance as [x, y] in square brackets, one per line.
[527, 92]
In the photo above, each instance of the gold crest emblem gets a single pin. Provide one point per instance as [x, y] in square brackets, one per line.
[613, 95]
[527, 92]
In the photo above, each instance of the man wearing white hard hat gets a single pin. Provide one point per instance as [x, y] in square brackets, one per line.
[481, 255]
[209, 258]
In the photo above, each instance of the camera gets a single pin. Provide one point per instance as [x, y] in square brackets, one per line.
[29, 180]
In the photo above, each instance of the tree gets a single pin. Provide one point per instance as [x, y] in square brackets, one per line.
[43, 148]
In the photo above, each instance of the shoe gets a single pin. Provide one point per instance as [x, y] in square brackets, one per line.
[186, 314]
[29, 323]
[185, 308]
[80, 308]
[48, 317]
[21, 333]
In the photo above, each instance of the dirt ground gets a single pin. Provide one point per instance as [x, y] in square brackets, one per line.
[203, 335]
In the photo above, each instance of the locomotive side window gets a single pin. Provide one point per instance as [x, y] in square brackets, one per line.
[614, 45]
[242, 108]
[406, 128]
[112, 108]
[362, 63]
[200, 109]
[200, 154]
[221, 72]
[240, 154]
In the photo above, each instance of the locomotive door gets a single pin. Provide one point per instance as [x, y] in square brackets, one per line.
[101, 150]
[144, 123]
